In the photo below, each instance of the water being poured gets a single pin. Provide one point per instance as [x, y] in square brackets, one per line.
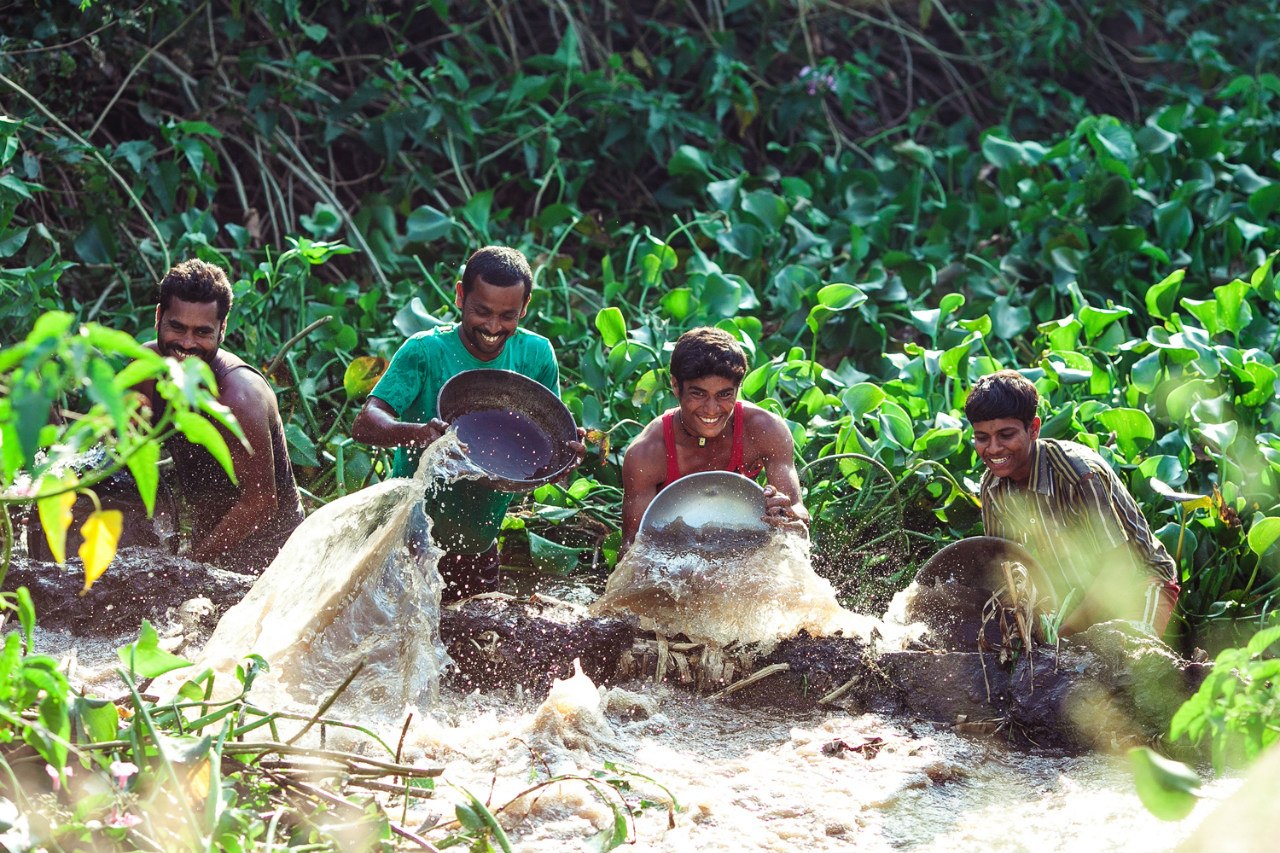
[355, 590]
[731, 585]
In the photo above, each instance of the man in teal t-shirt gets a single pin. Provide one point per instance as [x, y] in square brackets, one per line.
[401, 412]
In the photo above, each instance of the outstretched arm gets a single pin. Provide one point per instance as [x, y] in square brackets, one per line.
[783, 505]
[380, 425]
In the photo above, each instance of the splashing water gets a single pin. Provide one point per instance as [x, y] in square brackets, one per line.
[355, 587]
[726, 586]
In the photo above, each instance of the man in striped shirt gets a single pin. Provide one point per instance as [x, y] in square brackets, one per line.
[1063, 502]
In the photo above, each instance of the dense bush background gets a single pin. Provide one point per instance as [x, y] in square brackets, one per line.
[882, 201]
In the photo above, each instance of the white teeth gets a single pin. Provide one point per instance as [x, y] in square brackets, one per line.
[999, 460]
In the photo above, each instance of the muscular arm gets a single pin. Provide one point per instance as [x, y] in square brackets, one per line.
[643, 471]
[380, 425]
[251, 400]
[783, 504]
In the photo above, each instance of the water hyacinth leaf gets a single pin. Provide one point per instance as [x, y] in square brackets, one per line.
[1096, 320]
[144, 464]
[1173, 224]
[199, 431]
[55, 512]
[1265, 201]
[744, 240]
[1219, 436]
[1233, 311]
[896, 424]
[426, 224]
[1002, 152]
[100, 534]
[689, 161]
[99, 719]
[1162, 298]
[611, 325]
[476, 212]
[552, 557]
[724, 193]
[1132, 427]
[145, 658]
[1168, 788]
[1263, 535]
[770, 209]
[679, 303]
[302, 450]
[362, 375]
[939, 442]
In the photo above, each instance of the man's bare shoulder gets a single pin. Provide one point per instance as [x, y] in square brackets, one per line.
[647, 449]
[763, 425]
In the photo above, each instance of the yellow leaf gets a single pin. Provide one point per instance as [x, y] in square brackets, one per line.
[1202, 502]
[55, 513]
[101, 533]
[198, 779]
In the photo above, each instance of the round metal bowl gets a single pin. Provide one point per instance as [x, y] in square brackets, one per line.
[514, 428]
[719, 499]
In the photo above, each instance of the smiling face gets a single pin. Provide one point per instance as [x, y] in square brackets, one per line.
[189, 330]
[706, 404]
[1004, 446]
[490, 315]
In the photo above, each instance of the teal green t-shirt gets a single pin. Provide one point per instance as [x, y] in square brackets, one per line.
[466, 516]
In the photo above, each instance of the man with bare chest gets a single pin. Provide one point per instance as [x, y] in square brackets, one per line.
[711, 430]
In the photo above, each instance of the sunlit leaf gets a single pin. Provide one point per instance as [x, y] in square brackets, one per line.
[362, 375]
[200, 431]
[101, 534]
[55, 513]
[1167, 788]
[552, 557]
[612, 326]
[145, 658]
[144, 465]
[1263, 534]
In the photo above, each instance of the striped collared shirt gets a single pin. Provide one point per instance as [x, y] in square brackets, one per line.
[1073, 512]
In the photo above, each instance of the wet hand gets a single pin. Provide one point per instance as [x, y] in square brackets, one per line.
[431, 431]
[778, 512]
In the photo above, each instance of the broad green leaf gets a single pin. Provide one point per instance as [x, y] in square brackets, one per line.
[362, 375]
[426, 224]
[1002, 152]
[1166, 787]
[896, 424]
[770, 209]
[1219, 436]
[55, 513]
[144, 465]
[1096, 320]
[101, 534]
[841, 297]
[52, 324]
[302, 450]
[552, 557]
[1173, 224]
[689, 161]
[99, 718]
[1263, 534]
[862, 398]
[679, 303]
[612, 326]
[199, 431]
[1162, 297]
[1133, 429]
[145, 658]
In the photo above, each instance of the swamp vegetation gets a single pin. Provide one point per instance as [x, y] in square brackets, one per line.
[881, 201]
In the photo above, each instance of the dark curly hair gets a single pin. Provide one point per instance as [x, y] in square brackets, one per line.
[707, 351]
[1004, 394]
[500, 266]
[196, 281]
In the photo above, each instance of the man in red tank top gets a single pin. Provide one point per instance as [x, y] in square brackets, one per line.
[711, 430]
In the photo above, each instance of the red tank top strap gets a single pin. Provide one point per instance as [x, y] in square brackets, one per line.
[735, 455]
[669, 441]
[739, 446]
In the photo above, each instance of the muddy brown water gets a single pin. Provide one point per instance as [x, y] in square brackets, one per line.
[745, 779]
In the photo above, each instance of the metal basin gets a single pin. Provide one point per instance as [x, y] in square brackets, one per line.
[515, 429]
[709, 499]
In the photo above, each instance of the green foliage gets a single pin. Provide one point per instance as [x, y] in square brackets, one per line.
[1237, 708]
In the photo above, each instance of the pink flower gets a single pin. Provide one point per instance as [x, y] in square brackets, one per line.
[123, 820]
[122, 770]
[56, 777]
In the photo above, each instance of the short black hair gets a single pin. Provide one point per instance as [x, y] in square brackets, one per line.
[1003, 394]
[196, 281]
[500, 266]
[707, 351]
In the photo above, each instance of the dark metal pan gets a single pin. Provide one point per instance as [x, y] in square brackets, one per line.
[515, 429]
